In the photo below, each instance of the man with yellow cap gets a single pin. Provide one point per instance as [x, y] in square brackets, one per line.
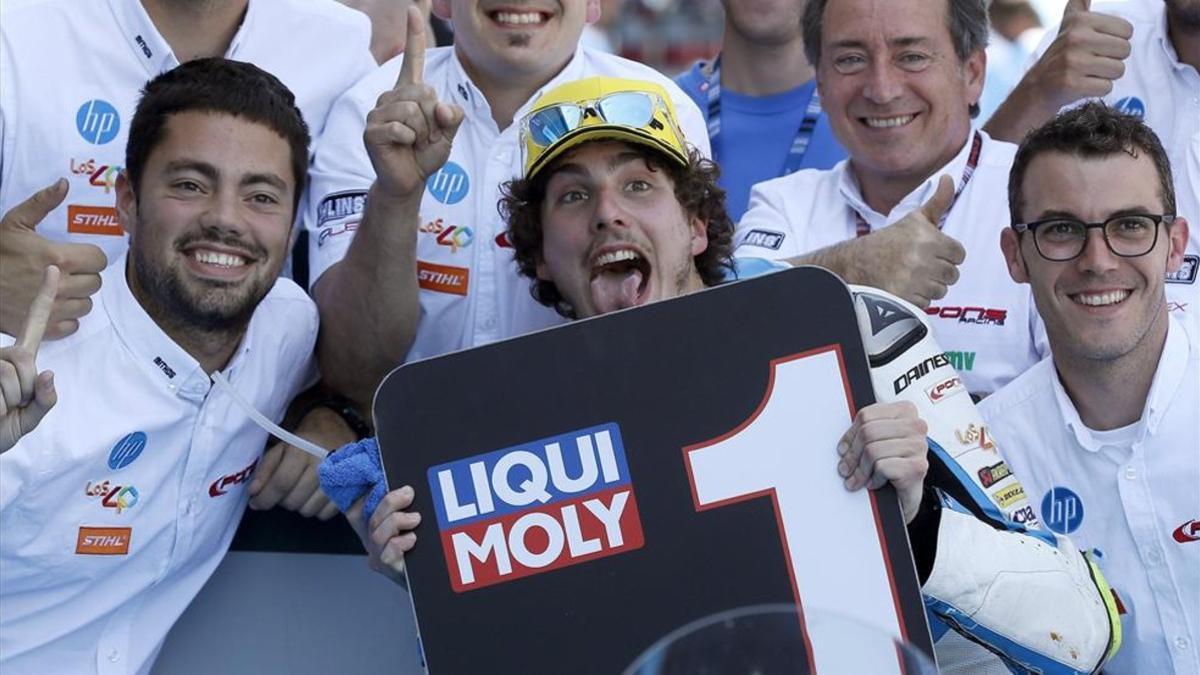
[614, 211]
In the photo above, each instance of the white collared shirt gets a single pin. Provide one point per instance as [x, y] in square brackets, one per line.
[984, 320]
[1131, 494]
[120, 504]
[72, 73]
[470, 291]
[1165, 93]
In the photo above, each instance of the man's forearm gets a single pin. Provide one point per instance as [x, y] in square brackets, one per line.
[369, 301]
[1025, 109]
[839, 258]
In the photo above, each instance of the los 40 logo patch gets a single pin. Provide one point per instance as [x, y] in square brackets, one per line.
[535, 507]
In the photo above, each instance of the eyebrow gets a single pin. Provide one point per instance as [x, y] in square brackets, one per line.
[905, 41]
[211, 173]
[1127, 211]
[574, 168]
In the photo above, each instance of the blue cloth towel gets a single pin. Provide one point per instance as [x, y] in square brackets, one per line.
[352, 470]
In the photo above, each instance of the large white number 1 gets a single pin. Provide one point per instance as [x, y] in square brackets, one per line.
[786, 450]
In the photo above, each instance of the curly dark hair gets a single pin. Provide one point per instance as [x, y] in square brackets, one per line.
[695, 188]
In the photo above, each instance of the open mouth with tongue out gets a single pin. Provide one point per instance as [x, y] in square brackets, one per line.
[620, 279]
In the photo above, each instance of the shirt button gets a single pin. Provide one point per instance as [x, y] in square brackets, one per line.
[114, 655]
[489, 324]
[1130, 473]
[1182, 643]
[1153, 556]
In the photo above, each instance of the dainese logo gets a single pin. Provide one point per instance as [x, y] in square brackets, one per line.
[534, 508]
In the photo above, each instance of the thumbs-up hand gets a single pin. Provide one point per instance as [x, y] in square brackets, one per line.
[409, 132]
[912, 257]
[25, 394]
[1085, 59]
[24, 256]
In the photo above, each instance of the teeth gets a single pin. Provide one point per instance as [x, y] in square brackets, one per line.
[1101, 299]
[615, 256]
[885, 122]
[519, 18]
[219, 259]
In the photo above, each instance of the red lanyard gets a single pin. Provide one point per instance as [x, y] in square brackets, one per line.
[862, 228]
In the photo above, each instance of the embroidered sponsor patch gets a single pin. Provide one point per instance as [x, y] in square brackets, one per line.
[103, 540]
[93, 220]
[443, 278]
[764, 239]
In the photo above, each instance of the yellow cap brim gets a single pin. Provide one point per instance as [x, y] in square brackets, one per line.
[603, 132]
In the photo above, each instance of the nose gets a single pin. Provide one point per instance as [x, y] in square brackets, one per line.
[1096, 257]
[609, 211]
[883, 84]
[223, 214]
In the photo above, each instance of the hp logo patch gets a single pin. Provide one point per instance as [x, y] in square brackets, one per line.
[450, 184]
[126, 450]
[1132, 105]
[1062, 510]
[97, 122]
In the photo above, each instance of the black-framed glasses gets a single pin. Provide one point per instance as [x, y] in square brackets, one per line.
[1063, 239]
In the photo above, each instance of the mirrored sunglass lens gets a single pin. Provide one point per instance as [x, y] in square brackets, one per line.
[628, 108]
[551, 124]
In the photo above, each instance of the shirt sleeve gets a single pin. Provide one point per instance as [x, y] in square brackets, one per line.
[341, 173]
[765, 230]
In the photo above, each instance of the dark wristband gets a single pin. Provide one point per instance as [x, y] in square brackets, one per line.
[345, 409]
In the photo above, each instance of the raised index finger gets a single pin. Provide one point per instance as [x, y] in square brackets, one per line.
[412, 68]
[39, 312]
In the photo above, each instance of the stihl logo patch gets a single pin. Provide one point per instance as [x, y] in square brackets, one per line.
[93, 220]
[103, 541]
[443, 278]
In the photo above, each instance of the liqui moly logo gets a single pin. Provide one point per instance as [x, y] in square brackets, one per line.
[535, 507]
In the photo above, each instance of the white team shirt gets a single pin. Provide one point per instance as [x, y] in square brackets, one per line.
[72, 74]
[470, 291]
[1130, 493]
[1165, 93]
[984, 321]
[120, 504]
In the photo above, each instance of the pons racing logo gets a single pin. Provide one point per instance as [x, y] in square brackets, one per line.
[536, 507]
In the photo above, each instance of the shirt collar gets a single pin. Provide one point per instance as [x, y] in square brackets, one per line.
[852, 193]
[141, 35]
[156, 353]
[148, 44]
[472, 99]
[1168, 377]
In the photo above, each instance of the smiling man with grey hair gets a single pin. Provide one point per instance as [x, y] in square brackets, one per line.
[918, 207]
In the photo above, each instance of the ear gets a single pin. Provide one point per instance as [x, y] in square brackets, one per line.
[593, 11]
[975, 70]
[126, 203]
[1010, 244]
[699, 232]
[1177, 235]
[441, 9]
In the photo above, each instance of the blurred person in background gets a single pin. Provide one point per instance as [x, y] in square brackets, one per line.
[760, 100]
[1143, 58]
[396, 241]
[1016, 31]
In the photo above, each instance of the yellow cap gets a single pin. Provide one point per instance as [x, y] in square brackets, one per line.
[660, 131]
